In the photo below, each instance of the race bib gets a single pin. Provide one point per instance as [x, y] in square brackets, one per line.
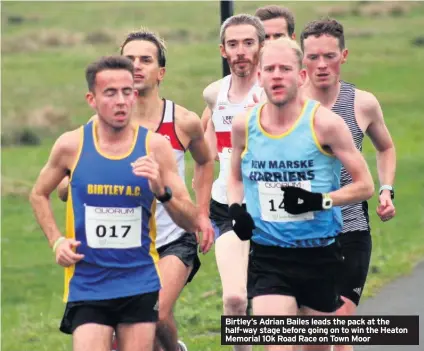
[225, 161]
[113, 227]
[271, 202]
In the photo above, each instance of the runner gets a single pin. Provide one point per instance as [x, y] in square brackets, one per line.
[324, 48]
[278, 22]
[286, 158]
[241, 38]
[177, 249]
[116, 172]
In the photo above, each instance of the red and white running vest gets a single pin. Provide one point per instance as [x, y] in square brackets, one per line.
[167, 230]
[222, 117]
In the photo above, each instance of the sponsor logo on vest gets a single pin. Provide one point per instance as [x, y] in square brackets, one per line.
[282, 184]
[114, 210]
[227, 119]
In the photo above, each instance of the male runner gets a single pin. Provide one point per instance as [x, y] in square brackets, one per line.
[278, 22]
[324, 48]
[117, 171]
[286, 161]
[241, 39]
[177, 249]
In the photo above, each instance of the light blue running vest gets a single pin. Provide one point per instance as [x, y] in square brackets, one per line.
[292, 158]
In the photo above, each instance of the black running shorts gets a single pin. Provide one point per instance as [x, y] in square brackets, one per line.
[185, 248]
[310, 275]
[141, 308]
[356, 248]
[220, 218]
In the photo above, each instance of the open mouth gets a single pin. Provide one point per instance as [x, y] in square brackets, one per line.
[120, 114]
[277, 88]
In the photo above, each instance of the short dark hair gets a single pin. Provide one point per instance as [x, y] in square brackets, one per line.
[106, 63]
[146, 35]
[274, 11]
[327, 26]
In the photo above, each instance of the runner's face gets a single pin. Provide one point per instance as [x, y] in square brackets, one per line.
[280, 74]
[241, 49]
[275, 28]
[113, 97]
[323, 58]
[147, 73]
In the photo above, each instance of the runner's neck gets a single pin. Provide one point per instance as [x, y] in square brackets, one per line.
[327, 97]
[240, 87]
[148, 108]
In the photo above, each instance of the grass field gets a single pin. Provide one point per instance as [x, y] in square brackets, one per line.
[45, 48]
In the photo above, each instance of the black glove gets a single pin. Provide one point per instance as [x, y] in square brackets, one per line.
[297, 200]
[244, 224]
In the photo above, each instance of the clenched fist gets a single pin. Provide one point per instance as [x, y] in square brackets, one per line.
[147, 167]
[65, 253]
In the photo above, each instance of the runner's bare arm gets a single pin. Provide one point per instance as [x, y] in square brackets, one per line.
[181, 209]
[61, 158]
[210, 139]
[62, 188]
[210, 94]
[206, 116]
[380, 136]
[377, 130]
[203, 172]
[235, 191]
[332, 132]
[204, 164]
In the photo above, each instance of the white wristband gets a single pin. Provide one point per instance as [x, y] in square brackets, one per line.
[57, 242]
[385, 187]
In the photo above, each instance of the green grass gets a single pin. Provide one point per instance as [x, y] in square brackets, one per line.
[385, 63]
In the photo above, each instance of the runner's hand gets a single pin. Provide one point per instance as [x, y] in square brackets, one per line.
[243, 223]
[297, 200]
[386, 208]
[255, 101]
[65, 253]
[147, 167]
[208, 234]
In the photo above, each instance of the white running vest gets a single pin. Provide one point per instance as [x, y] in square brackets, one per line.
[222, 117]
[167, 230]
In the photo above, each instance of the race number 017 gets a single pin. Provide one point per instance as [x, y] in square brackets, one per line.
[101, 231]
